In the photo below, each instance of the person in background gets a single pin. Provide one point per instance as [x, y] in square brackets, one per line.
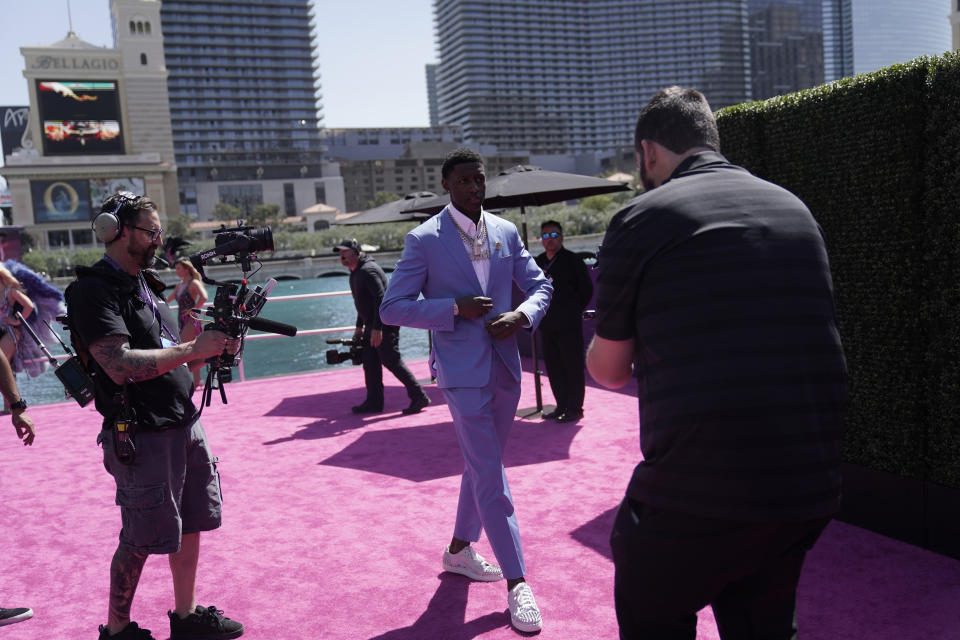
[39, 303]
[561, 330]
[26, 432]
[189, 294]
[465, 262]
[718, 285]
[381, 342]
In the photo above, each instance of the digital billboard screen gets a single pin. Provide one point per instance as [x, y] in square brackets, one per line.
[103, 188]
[60, 200]
[79, 117]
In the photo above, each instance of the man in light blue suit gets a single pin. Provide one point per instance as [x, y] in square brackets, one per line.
[464, 262]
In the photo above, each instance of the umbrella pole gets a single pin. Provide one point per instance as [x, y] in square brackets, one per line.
[528, 413]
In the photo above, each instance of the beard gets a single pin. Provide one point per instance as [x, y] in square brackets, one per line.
[145, 258]
[645, 179]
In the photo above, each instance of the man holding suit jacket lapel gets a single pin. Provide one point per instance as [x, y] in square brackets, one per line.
[464, 262]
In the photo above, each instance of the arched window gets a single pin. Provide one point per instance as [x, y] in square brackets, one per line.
[139, 27]
[146, 27]
[133, 27]
[143, 59]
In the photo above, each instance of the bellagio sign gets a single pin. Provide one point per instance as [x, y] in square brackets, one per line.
[63, 63]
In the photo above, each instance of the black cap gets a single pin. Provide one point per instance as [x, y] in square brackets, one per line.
[348, 243]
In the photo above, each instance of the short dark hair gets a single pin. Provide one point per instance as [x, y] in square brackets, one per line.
[461, 155]
[127, 206]
[551, 223]
[679, 119]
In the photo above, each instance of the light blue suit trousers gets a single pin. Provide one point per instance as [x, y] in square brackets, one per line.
[482, 418]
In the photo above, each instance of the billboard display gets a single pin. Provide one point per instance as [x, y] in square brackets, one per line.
[79, 117]
[60, 201]
[103, 188]
[13, 128]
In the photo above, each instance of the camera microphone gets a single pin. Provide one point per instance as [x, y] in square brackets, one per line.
[271, 326]
[261, 324]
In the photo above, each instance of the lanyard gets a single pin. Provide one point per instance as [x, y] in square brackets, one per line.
[147, 296]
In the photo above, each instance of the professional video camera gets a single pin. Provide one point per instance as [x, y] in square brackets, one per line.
[235, 307]
[354, 355]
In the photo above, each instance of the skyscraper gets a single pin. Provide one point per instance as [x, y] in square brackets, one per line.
[243, 100]
[886, 32]
[955, 23]
[837, 40]
[567, 76]
[786, 46]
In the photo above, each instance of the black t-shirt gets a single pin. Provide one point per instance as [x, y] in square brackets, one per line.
[723, 281]
[103, 301]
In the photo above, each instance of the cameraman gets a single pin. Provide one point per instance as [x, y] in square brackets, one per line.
[368, 283]
[167, 487]
[25, 431]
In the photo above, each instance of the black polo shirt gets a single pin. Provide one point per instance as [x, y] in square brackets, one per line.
[723, 281]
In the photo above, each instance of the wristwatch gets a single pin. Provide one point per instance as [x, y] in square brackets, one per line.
[19, 405]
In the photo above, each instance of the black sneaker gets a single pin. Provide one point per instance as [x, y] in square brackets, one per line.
[12, 616]
[367, 408]
[130, 632]
[416, 406]
[205, 623]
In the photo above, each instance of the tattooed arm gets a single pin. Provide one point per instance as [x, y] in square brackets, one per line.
[114, 355]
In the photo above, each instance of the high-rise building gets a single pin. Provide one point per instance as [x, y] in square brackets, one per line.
[244, 107]
[568, 76]
[431, 70]
[955, 23]
[786, 46]
[886, 32]
[837, 40]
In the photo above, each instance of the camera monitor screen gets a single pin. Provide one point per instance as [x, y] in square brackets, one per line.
[79, 117]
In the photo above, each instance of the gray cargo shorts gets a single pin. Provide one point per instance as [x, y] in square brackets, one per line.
[171, 489]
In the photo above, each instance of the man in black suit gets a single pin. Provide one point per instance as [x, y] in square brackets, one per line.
[381, 342]
[561, 331]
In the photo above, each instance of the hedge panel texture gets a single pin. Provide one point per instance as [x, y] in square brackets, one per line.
[875, 157]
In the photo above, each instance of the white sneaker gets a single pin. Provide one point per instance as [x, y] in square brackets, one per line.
[524, 613]
[469, 563]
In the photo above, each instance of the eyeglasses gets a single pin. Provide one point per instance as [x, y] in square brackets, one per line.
[550, 234]
[154, 233]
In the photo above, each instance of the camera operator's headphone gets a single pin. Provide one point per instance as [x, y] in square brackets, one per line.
[107, 225]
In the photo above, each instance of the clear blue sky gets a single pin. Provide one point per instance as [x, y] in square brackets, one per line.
[372, 53]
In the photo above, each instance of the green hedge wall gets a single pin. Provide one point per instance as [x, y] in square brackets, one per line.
[877, 160]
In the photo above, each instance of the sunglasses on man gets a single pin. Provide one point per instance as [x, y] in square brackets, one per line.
[550, 234]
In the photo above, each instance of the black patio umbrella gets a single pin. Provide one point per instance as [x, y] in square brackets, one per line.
[526, 186]
[391, 211]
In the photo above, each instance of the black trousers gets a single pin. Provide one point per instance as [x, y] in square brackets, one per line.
[386, 355]
[669, 565]
[565, 359]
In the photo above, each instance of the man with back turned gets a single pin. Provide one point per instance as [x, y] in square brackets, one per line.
[717, 284]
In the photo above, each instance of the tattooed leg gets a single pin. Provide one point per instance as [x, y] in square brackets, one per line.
[125, 573]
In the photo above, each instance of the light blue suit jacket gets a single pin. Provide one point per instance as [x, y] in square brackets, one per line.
[435, 263]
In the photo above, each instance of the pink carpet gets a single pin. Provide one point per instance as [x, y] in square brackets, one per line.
[334, 525]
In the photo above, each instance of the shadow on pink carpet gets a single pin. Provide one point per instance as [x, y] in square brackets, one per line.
[334, 526]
